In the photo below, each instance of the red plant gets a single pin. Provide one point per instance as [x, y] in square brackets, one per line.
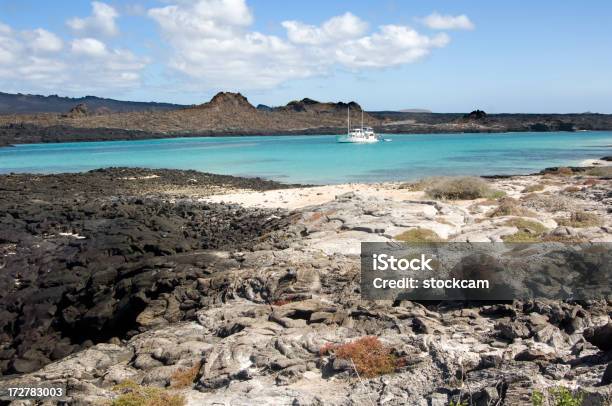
[369, 356]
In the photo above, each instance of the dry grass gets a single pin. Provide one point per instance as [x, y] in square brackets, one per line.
[591, 182]
[572, 189]
[460, 188]
[417, 186]
[419, 235]
[600, 171]
[547, 202]
[567, 239]
[528, 230]
[184, 378]
[132, 394]
[580, 219]
[510, 207]
[369, 355]
[536, 187]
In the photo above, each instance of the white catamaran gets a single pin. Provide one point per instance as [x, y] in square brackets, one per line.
[358, 135]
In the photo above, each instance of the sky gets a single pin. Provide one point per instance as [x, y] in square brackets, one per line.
[443, 55]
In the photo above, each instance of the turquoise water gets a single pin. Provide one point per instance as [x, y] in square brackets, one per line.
[319, 159]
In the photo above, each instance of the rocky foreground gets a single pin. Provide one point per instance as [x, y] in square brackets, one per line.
[223, 290]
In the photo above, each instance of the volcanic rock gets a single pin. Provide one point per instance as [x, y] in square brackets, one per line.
[601, 336]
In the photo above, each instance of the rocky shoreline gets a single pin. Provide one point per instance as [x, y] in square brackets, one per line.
[243, 285]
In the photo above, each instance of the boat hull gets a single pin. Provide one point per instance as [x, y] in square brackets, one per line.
[354, 140]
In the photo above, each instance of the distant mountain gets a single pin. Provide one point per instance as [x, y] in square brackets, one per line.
[415, 111]
[227, 102]
[308, 105]
[29, 104]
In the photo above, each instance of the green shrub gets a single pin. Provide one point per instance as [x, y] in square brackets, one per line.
[460, 188]
[132, 394]
[535, 227]
[418, 235]
[536, 187]
[528, 230]
[558, 396]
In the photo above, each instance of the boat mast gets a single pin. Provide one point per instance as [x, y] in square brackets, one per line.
[348, 120]
[362, 120]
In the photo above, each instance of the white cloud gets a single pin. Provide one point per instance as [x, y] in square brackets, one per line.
[438, 21]
[43, 40]
[101, 21]
[391, 46]
[213, 45]
[337, 28]
[37, 60]
[211, 42]
[89, 46]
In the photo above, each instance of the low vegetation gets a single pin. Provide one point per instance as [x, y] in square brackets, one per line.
[461, 188]
[419, 235]
[368, 355]
[558, 396]
[580, 219]
[572, 189]
[184, 378]
[510, 207]
[536, 187]
[417, 186]
[591, 182]
[547, 202]
[600, 171]
[528, 230]
[132, 394]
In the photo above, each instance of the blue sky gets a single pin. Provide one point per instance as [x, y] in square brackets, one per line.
[500, 56]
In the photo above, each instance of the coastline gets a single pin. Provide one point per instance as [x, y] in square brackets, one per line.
[61, 134]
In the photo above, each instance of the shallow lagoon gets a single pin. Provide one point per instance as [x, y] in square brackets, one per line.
[319, 159]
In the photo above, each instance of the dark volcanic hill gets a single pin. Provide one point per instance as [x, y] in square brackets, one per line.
[29, 103]
[232, 114]
[225, 114]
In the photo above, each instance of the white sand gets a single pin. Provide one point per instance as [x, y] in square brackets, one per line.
[595, 162]
[307, 196]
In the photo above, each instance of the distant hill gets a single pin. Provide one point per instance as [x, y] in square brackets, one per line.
[232, 114]
[415, 111]
[29, 104]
